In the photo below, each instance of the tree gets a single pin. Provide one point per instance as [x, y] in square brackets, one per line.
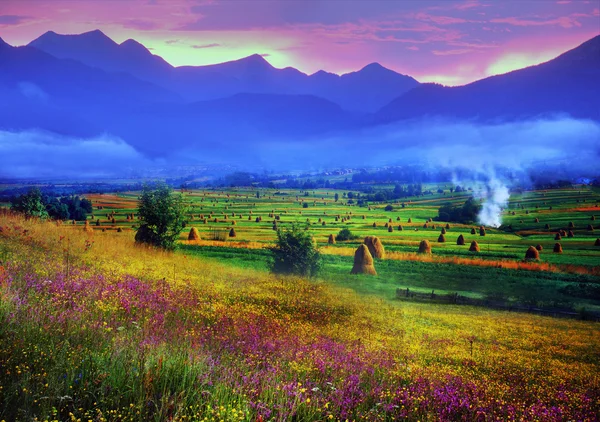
[389, 207]
[336, 197]
[162, 216]
[31, 204]
[345, 234]
[465, 214]
[295, 253]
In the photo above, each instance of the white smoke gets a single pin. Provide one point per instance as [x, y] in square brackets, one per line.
[495, 197]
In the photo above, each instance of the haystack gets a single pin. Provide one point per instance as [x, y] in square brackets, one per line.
[461, 240]
[232, 232]
[331, 239]
[194, 234]
[537, 220]
[547, 226]
[597, 243]
[539, 247]
[557, 248]
[443, 230]
[441, 238]
[473, 231]
[409, 220]
[119, 230]
[474, 247]
[375, 247]
[532, 253]
[363, 261]
[390, 229]
[425, 226]
[481, 231]
[558, 236]
[400, 228]
[447, 226]
[571, 225]
[374, 224]
[397, 218]
[570, 233]
[424, 247]
[590, 228]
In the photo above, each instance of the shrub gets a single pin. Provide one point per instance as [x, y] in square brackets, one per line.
[345, 234]
[389, 207]
[295, 253]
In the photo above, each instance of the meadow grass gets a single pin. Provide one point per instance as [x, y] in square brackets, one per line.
[94, 327]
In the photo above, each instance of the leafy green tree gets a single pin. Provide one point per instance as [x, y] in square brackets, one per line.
[336, 197]
[31, 204]
[295, 252]
[465, 214]
[162, 216]
[345, 234]
[57, 209]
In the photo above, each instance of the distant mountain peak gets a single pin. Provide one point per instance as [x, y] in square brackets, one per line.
[95, 38]
[131, 44]
[373, 66]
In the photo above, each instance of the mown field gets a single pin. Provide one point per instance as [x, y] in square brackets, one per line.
[564, 279]
[93, 327]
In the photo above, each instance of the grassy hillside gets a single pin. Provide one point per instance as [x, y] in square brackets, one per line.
[96, 328]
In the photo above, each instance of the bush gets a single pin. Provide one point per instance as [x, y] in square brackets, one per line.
[162, 216]
[295, 253]
[389, 207]
[345, 234]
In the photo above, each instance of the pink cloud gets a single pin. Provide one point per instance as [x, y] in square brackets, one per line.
[564, 22]
[452, 52]
[413, 48]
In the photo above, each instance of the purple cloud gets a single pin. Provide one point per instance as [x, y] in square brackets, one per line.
[7, 20]
[206, 45]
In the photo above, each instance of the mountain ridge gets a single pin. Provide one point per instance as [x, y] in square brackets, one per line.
[356, 91]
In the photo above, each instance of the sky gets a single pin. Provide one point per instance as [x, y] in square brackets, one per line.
[445, 41]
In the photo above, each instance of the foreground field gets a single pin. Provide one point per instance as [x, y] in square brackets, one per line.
[95, 328]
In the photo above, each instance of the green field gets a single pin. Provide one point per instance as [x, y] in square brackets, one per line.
[567, 280]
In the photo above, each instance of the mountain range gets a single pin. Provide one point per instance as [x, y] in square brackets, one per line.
[87, 84]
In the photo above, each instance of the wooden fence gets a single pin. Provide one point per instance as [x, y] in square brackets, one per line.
[455, 298]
